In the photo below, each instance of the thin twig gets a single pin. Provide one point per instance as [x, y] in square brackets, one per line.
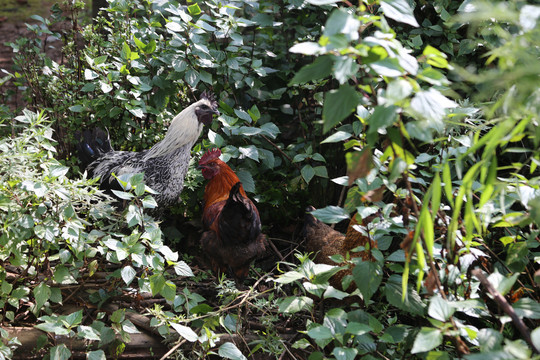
[173, 349]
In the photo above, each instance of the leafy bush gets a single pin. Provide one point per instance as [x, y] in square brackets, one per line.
[447, 188]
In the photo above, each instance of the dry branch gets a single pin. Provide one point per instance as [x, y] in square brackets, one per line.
[505, 306]
[141, 346]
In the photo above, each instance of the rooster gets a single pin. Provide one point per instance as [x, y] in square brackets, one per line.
[232, 238]
[164, 165]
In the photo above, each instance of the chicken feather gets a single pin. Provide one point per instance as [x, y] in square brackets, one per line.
[232, 238]
[165, 165]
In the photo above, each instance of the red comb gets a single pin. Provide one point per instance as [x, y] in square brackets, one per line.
[209, 156]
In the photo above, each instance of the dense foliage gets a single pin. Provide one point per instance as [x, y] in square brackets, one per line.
[417, 119]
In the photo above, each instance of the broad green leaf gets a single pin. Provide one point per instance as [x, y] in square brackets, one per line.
[128, 274]
[389, 67]
[412, 302]
[96, 355]
[229, 351]
[183, 269]
[319, 332]
[306, 48]
[343, 22]
[157, 281]
[331, 214]
[489, 340]
[168, 291]
[368, 277]
[307, 172]
[126, 51]
[527, 307]
[338, 104]
[77, 108]
[440, 309]
[174, 27]
[42, 293]
[345, 67]
[60, 352]
[399, 10]
[319, 69]
[247, 180]
[194, 9]
[427, 339]
[337, 137]
[342, 353]
[431, 105]
[289, 277]
[74, 318]
[535, 337]
[294, 304]
[382, 117]
[185, 332]
[322, 2]
[88, 333]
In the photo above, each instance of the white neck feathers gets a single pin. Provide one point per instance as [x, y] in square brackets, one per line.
[185, 128]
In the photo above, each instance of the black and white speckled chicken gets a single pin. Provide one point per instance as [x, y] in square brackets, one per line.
[165, 165]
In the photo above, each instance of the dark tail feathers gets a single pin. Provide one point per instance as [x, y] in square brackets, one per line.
[92, 144]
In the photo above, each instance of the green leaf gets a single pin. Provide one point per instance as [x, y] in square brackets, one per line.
[289, 277]
[331, 214]
[399, 10]
[368, 277]
[322, 2]
[306, 48]
[118, 316]
[157, 282]
[427, 339]
[185, 332]
[247, 180]
[343, 22]
[431, 105]
[74, 318]
[319, 332]
[88, 333]
[96, 355]
[342, 353]
[535, 337]
[194, 9]
[337, 137]
[126, 51]
[183, 269]
[128, 274]
[528, 308]
[168, 291]
[489, 340]
[382, 117]
[60, 352]
[307, 172]
[412, 303]
[229, 351]
[338, 104]
[42, 293]
[440, 309]
[319, 69]
[77, 108]
[345, 67]
[294, 304]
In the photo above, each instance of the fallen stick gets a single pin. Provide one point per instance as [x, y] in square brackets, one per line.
[141, 346]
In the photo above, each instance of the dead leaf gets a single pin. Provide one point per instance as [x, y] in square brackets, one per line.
[359, 163]
[374, 195]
